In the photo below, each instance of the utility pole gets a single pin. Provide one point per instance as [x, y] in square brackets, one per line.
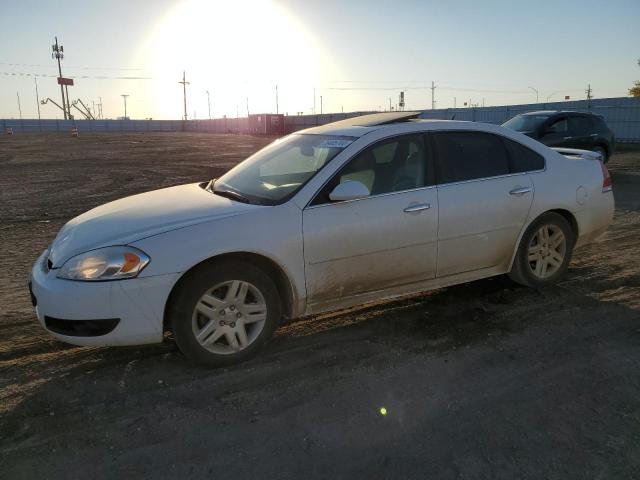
[314, 101]
[184, 92]
[209, 104]
[390, 104]
[247, 107]
[320, 104]
[58, 54]
[433, 98]
[66, 91]
[454, 102]
[125, 105]
[35, 78]
[100, 108]
[589, 92]
[19, 108]
[276, 99]
[483, 102]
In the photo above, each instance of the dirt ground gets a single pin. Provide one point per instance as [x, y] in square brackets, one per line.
[485, 380]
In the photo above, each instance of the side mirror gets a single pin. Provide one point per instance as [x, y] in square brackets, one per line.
[349, 190]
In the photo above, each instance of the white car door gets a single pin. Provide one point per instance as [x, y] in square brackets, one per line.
[386, 239]
[482, 204]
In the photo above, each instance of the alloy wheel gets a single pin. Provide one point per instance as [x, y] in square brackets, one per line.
[547, 250]
[229, 317]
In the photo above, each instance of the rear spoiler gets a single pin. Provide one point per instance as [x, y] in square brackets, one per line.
[576, 154]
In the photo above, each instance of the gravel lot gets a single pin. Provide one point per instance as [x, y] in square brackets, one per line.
[484, 380]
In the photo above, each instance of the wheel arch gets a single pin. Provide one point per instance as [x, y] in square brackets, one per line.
[282, 281]
[607, 149]
[566, 214]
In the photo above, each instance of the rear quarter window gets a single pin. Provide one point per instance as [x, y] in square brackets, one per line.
[521, 158]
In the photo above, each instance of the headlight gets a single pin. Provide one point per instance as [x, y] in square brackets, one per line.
[110, 263]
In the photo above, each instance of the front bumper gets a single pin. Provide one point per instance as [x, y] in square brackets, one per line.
[121, 312]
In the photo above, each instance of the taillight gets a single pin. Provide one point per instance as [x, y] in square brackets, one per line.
[607, 185]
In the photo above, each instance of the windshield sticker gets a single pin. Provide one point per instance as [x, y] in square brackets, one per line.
[335, 144]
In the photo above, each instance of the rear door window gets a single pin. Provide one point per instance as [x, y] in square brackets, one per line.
[558, 126]
[469, 155]
[579, 126]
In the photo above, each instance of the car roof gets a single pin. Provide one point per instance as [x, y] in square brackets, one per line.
[549, 113]
[363, 124]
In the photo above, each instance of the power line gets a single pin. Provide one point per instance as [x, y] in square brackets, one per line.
[427, 87]
[69, 66]
[94, 77]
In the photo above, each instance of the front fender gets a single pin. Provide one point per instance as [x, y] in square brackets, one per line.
[272, 232]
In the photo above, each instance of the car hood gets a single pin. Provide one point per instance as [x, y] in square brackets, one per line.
[139, 216]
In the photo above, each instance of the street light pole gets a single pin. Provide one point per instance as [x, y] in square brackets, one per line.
[535, 90]
[209, 104]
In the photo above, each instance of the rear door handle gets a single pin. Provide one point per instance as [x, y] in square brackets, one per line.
[567, 138]
[417, 207]
[519, 191]
[593, 135]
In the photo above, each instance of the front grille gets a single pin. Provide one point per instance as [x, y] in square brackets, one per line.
[81, 328]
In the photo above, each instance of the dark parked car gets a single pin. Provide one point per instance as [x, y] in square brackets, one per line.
[554, 128]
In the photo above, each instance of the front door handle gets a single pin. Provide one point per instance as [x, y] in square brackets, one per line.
[417, 207]
[567, 138]
[519, 191]
[593, 135]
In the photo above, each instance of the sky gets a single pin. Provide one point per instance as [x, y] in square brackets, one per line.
[354, 55]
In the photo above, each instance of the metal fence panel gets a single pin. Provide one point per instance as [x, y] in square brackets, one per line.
[622, 114]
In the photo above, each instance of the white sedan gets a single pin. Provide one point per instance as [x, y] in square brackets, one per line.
[358, 211]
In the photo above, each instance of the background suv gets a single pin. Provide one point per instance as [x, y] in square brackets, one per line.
[566, 129]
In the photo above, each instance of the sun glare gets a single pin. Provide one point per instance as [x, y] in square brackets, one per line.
[234, 49]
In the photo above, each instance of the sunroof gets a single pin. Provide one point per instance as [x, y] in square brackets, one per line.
[374, 119]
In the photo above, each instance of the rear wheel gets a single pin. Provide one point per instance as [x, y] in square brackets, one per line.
[224, 313]
[545, 251]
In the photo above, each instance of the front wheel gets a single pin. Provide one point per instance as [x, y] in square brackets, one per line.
[224, 313]
[545, 251]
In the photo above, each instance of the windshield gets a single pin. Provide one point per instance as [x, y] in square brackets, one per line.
[525, 123]
[276, 172]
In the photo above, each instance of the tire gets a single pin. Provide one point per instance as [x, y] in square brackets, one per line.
[216, 304]
[602, 151]
[536, 250]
